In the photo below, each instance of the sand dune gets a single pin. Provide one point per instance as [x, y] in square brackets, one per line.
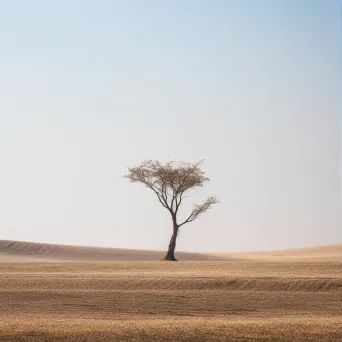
[316, 253]
[20, 251]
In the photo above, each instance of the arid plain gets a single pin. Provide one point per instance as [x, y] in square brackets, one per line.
[65, 293]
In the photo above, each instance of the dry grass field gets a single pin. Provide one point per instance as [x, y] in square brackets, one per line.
[62, 293]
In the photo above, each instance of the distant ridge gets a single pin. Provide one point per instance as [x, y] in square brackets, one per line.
[20, 250]
[316, 253]
[32, 251]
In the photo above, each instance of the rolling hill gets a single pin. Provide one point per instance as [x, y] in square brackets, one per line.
[30, 251]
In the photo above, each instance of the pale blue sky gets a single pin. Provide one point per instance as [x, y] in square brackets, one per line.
[88, 88]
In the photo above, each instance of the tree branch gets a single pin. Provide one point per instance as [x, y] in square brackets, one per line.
[178, 203]
[160, 198]
[200, 209]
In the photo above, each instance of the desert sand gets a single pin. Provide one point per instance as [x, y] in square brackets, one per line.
[67, 293]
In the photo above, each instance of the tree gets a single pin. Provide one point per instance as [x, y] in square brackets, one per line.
[170, 182]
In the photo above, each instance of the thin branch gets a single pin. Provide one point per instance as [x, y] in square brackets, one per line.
[160, 198]
[200, 209]
[178, 203]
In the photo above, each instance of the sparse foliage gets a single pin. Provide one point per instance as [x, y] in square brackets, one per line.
[170, 182]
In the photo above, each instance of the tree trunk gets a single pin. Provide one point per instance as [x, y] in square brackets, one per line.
[170, 255]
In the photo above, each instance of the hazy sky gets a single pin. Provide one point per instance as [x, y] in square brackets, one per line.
[88, 88]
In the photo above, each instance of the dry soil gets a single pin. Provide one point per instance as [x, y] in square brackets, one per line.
[64, 293]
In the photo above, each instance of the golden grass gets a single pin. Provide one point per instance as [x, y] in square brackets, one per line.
[164, 301]
[294, 328]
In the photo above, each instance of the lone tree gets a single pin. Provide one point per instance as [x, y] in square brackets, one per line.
[170, 182]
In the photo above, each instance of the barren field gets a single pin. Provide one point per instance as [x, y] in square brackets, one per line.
[48, 294]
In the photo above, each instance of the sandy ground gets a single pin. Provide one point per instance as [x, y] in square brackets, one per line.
[63, 293]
